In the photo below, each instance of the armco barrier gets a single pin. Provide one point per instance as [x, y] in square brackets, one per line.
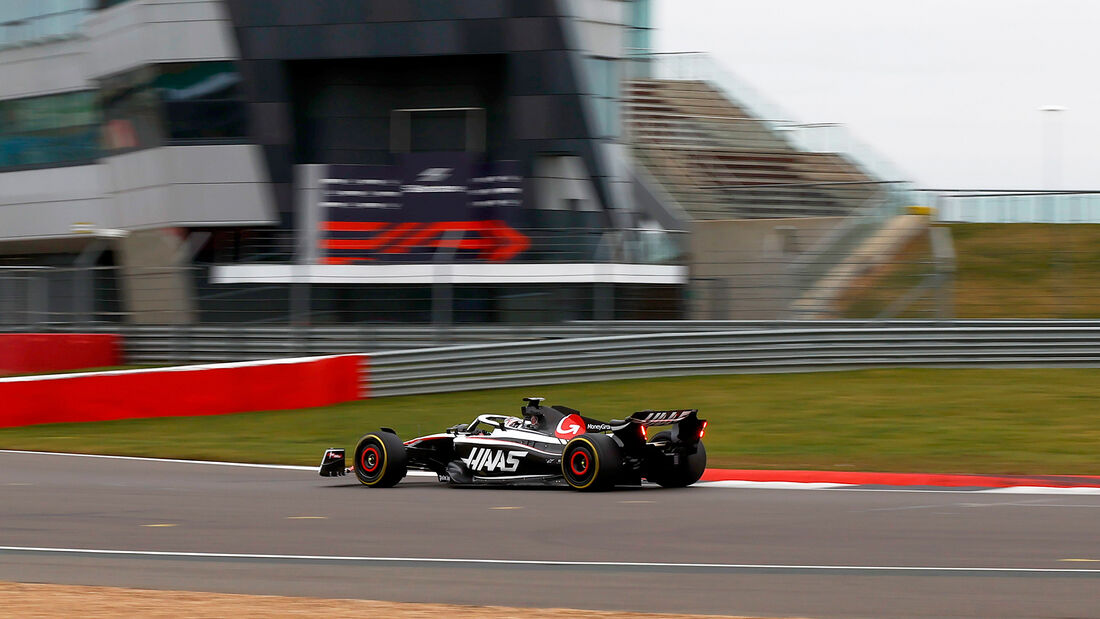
[213, 343]
[548, 362]
[180, 391]
[52, 352]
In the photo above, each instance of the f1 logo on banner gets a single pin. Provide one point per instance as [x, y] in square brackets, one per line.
[427, 203]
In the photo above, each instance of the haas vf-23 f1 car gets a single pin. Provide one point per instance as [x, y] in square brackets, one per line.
[546, 445]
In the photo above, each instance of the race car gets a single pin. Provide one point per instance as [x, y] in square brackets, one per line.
[545, 445]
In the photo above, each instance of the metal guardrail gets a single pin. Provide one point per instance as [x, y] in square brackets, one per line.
[150, 344]
[573, 360]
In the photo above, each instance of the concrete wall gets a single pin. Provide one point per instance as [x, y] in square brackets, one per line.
[44, 69]
[46, 203]
[155, 287]
[142, 32]
[740, 269]
[171, 186]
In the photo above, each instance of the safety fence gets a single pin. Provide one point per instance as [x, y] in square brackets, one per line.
[548, 362]
[158, 344]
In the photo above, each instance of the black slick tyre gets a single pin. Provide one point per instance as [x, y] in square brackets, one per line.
[380, 460]
[591, 462]
[664, 472]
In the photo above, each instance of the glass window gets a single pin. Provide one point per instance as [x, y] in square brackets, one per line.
[604, 86]
[44, 130]
[132, 116]
[178, 103]
[641, 35]
[202, 101]
[28, 21]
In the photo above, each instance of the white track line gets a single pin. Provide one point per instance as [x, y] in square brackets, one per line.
[773, 485]
[1043, 490]
[545, 563]
[285, 467]
[757, 485]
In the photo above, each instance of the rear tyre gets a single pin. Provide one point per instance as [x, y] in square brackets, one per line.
[380, 460]
[591, 462]
[664, 472]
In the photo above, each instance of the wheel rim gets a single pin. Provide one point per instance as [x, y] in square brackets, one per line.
[578, 463]
[370, 459]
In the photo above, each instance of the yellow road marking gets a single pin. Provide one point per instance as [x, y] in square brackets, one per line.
[1081, 560]
[510, 507]
[635, 502]
[307, 517]
[17, 483]
[159, 525]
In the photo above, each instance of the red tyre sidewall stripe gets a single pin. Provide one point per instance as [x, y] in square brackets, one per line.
[363, 459]
[573, 462]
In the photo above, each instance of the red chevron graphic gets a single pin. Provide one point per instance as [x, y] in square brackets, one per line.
[495, 240]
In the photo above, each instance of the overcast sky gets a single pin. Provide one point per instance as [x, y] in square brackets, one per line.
[948, 90]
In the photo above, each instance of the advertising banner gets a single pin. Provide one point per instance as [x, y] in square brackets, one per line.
[426, 204]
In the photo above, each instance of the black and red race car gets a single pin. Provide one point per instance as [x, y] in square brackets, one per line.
[545, 445]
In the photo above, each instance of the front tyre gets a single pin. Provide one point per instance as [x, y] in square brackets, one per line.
[591, 462]
[380, 460]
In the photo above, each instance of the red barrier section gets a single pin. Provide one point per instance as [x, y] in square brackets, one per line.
[180, 391]
[51, 352]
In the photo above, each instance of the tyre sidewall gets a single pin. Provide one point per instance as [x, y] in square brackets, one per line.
[380, 460]
[601, 470]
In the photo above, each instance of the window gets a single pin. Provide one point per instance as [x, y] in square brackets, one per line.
[603, 76]
[179, 103]
[641, 34]
[202, 101]
[46, 130]
[28, 21]
[131, 111]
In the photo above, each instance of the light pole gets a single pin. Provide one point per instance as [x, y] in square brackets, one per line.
[1052, 151]
[1052, 146]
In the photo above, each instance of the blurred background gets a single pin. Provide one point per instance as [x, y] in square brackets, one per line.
[398, 174]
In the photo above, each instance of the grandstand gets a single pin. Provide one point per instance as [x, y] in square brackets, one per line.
[782, 223]
[720, 162]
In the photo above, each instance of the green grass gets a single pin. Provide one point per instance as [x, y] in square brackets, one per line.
[977, 421]
[1003, 271]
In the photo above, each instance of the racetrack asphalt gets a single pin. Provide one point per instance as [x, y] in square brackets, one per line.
[807, 553]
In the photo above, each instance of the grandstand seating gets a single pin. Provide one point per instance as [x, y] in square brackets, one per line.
[719, 162]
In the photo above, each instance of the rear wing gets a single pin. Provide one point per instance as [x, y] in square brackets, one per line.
[687, 427]
[660, 418]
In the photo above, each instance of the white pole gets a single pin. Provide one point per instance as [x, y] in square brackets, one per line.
[1052, 146]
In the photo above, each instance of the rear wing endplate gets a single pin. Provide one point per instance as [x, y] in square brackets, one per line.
[661, 418]
[686, 425]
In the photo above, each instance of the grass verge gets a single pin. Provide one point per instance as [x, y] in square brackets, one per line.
[1004, 271]
[1026, 421]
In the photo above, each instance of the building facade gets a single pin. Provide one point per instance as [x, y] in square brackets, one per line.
[150, 135]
